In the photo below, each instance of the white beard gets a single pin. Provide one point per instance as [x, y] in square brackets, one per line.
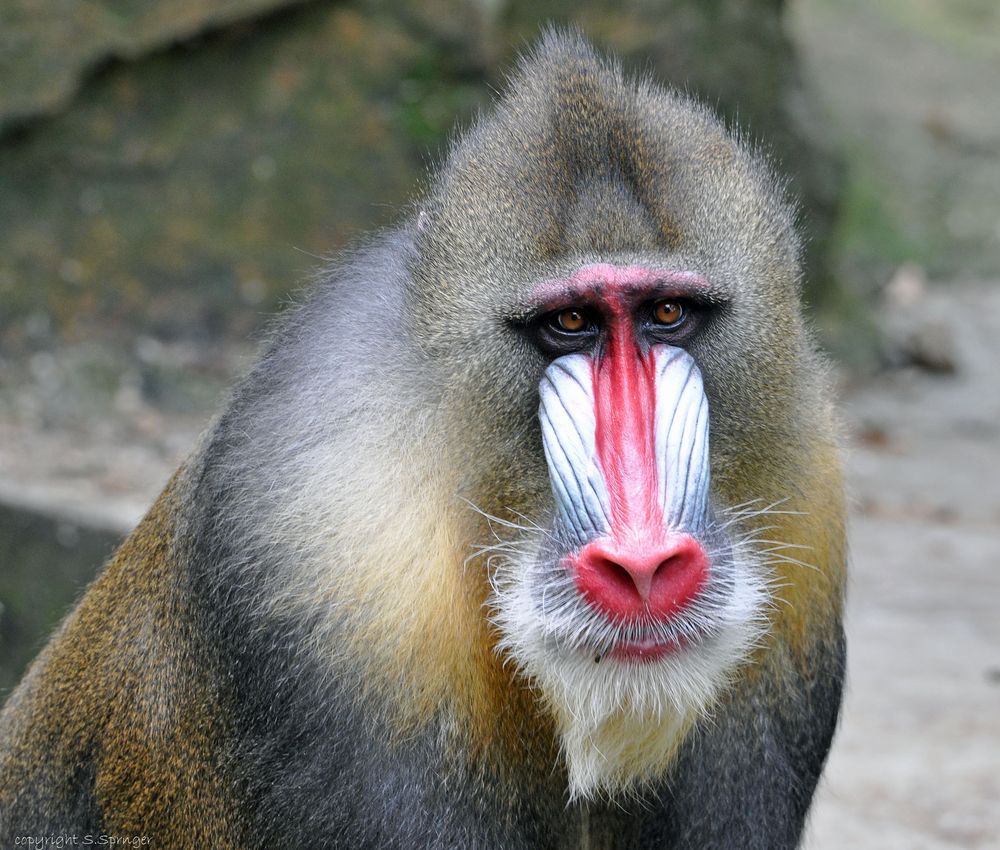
[620, 721]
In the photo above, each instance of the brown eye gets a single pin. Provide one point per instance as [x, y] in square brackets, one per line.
[667, 312]
[572, 321]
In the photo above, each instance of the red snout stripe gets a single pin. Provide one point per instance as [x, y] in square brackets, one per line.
[624, 380]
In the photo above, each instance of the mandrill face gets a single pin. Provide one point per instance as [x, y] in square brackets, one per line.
[634, 605]
[644, 351]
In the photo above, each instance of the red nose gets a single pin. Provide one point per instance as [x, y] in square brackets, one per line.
[628, 581]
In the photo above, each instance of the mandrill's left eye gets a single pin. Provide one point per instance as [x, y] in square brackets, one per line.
[668, 313]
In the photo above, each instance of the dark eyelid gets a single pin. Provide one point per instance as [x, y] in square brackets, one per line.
[695, 299]
[530, 313]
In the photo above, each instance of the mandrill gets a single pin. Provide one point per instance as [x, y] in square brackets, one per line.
[525, 532]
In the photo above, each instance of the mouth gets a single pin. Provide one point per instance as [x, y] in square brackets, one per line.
[644, 651]
[649, 649]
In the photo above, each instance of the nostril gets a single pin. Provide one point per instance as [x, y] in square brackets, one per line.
[615, 574]
[630, 581]
[665, 566]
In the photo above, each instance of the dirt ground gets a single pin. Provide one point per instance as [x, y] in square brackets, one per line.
[916, 765]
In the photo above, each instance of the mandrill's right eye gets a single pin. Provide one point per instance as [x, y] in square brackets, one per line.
[572, 321]
[564, 331]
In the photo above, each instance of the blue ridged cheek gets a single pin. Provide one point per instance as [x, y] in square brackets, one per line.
[569, 427]
[681, 436]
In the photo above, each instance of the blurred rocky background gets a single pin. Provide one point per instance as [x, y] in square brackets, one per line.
[172, 172]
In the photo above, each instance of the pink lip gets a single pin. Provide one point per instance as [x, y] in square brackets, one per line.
[645, 650]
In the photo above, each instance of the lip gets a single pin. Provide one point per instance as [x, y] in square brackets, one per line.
[645, 651]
